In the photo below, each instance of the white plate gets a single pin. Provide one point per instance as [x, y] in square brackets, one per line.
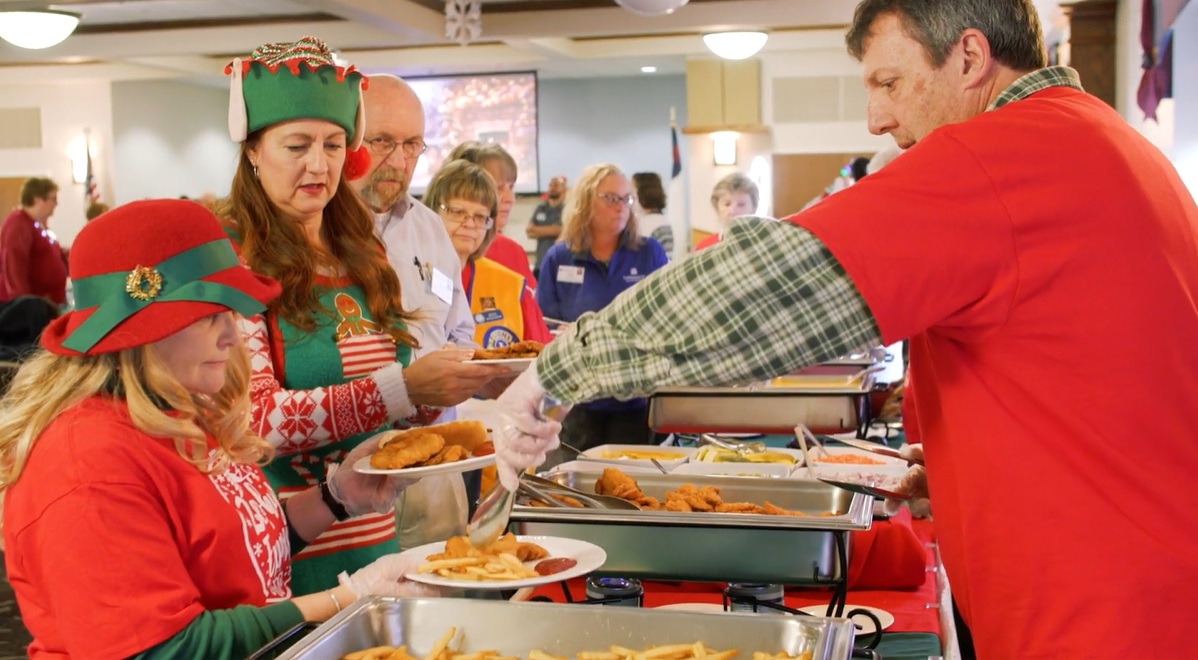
[866, 624]
[588, 555]
[465, 465]
[759, 470]
[514, 365]
[610, 454]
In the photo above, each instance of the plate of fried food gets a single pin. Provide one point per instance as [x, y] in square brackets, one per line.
[423, 451]
[516, 357]
[511, 562]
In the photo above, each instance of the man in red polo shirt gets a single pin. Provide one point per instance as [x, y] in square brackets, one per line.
[31, 260]
[1043, 259]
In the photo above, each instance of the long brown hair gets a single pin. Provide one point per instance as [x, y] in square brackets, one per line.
[275, 245]
[577, 215]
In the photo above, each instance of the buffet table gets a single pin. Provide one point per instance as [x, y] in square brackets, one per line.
[916, 633]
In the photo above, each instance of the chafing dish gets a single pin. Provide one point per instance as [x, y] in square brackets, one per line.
[713, 546]
[760, 408]
[514, 629]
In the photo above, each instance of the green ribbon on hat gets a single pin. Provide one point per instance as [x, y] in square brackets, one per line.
[117, 296]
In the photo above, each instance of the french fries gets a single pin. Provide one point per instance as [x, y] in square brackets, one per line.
[444, 650]
[500, 561]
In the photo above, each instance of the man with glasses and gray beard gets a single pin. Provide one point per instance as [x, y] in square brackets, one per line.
[428, 267]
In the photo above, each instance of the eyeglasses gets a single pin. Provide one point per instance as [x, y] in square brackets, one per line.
[613, 199]
[385, 146]
[460, 216]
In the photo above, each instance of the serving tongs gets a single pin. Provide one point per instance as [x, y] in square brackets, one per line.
[494, 510]
[742, 449]
[548, 488]
[879, 449]
[811, 447]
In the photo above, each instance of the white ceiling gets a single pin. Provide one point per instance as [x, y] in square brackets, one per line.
[192, 40]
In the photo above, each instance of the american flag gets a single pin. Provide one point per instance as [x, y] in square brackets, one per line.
[91, 192]
[676, 203]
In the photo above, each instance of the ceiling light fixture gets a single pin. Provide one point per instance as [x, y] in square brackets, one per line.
[735, 45]
[651, 7]
[37, 29]
[648, 69]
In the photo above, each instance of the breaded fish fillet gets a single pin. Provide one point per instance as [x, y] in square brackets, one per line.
[409, 451]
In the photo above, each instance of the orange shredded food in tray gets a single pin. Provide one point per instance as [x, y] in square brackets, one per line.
[850, 459]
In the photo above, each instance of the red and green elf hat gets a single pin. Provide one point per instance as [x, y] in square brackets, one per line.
[287, 81]
[148, 269]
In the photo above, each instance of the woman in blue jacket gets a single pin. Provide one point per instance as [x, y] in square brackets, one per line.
[601, 255]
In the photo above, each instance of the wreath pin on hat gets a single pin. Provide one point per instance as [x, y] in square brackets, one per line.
[298, 80]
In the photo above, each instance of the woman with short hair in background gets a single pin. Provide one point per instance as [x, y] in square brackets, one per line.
[650, 207]
[601, 255]
[504, 308]
[503, 170]
[733, 196]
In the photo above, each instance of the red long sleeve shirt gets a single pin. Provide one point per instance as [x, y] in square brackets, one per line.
[31, 260]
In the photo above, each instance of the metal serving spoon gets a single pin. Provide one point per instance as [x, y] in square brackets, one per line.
[494, 510]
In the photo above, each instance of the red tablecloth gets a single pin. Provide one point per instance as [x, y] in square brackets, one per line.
[909, 607]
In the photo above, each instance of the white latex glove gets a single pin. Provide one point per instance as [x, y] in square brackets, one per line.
[385, 577]
[914, 483]
[523, 436]
[362, 493]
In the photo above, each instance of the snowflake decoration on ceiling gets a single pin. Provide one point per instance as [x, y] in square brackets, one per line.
[463, 20]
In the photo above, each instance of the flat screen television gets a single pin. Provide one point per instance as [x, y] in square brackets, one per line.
[491, 107]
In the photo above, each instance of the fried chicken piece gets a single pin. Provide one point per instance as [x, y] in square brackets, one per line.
[411, 450]
[678, 505]
[448, 454]
[530, 552]
[695, 498]
[456, 547]
[773, 510]
[616, 483]
[521, 349]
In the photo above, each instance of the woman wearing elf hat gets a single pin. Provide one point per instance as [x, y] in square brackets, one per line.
[136, 518]
[329, 355]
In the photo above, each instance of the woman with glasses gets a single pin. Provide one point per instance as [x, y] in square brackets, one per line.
[601, 255]
[504, 309]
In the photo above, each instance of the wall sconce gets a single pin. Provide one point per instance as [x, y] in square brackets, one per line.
[78, 153]
[37, 29]
[724, 143]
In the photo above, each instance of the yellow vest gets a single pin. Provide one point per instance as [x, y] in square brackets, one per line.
[494, 292]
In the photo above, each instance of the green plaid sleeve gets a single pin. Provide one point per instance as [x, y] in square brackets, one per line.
[767, 300]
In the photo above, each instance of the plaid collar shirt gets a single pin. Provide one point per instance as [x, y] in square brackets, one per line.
[732, 314]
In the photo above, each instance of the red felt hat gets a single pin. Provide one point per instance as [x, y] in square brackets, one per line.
[146, 270]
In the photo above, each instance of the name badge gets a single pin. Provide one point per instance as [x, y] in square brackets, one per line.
[442, 287]
[570, 274]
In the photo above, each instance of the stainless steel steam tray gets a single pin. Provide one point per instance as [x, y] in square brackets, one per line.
[514, 629]
[712, 546]
[758, 408]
